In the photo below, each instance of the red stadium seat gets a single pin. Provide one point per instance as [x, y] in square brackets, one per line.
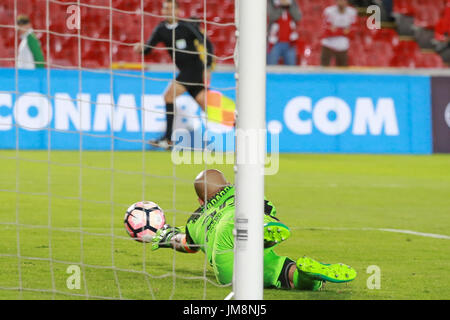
[443, 25]
[7, 55]
[386, 35]
[407, 48]
[126, 5]
[61, 63]
[403, 62]
[429, 60]
[7, 16]
[426, 17]
[404, 7]
[380, 54]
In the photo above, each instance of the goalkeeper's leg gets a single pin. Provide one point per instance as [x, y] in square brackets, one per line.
[278, 270]
[281, 272]
[223, 252]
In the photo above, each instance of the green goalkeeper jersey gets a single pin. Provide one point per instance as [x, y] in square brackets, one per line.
[201, 226]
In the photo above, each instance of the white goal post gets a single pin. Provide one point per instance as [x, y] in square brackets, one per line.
[250, 148]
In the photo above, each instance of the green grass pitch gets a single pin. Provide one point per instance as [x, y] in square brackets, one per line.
[334, 204]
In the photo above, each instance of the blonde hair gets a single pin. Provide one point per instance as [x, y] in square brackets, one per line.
[22, 20]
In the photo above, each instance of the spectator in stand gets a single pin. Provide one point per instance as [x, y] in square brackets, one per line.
[442, 35]
[361, 3]
[30, 54]
[386, 5]
[283, 18]
[389, 8]
[339, 22]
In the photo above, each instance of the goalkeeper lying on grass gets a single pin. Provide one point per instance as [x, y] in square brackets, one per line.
[211, 230]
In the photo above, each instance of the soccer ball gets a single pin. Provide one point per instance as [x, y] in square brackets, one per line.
[143, 219]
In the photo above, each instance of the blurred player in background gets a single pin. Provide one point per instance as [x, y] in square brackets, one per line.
[210, 229]
[338, 20]
[30, 55]
[185, 44]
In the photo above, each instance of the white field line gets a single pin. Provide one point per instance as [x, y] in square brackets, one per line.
[229, 296]
[415, 233]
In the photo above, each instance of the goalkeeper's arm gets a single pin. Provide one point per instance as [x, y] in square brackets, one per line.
[175, 238]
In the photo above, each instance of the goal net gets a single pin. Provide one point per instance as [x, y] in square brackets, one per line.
[75, 152]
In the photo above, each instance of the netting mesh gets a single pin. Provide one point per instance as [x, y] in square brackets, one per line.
[109, 29]
[68, 177]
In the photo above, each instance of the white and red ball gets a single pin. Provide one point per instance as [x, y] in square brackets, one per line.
[143, 219]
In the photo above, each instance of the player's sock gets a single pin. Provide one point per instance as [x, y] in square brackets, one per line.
[301, 281]
[283, 281]
[315, 270]
[169, 119]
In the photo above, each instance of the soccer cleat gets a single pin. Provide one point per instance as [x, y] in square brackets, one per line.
[274, 231]
[161, 143]
[337, 273]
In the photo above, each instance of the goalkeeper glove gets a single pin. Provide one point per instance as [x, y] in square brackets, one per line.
[163, 236]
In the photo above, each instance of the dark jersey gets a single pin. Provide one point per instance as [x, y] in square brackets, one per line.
[188, 42]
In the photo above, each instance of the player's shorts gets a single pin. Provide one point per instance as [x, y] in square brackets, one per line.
[192, 79]
[223, 256]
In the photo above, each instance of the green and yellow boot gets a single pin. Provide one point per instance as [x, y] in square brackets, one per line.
[337, 273]
[274, 231]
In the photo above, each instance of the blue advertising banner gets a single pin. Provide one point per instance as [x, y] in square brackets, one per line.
[99, 110]
[351, 113]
